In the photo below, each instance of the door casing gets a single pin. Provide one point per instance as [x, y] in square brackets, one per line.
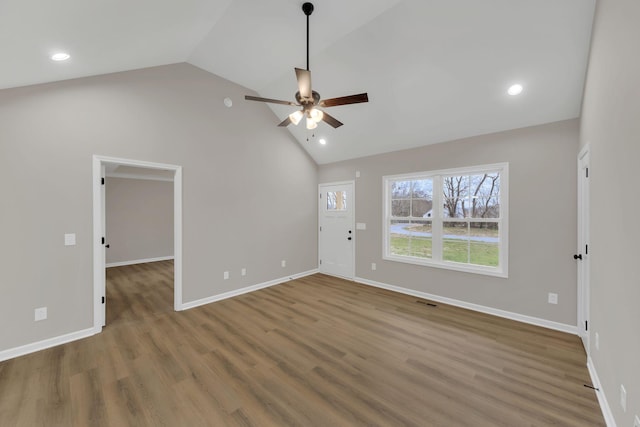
[583, 241]
[99, 267]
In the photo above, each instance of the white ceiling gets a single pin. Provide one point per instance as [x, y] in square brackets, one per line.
[435, 70]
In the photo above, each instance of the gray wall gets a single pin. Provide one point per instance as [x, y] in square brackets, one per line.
[239, 183]
[542, 220]
[611, 126]
[139, 219]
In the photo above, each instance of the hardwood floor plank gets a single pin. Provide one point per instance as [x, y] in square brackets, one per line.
[316, 351]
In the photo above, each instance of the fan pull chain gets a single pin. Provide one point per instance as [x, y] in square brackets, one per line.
[313, 135]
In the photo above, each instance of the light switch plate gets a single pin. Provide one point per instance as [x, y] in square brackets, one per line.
[70, 239]
[553, 298]
[40, 314]
[225, 276]
[361, 226]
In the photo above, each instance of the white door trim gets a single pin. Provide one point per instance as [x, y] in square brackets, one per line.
[98, 217]
[583, 237]
[353, 223]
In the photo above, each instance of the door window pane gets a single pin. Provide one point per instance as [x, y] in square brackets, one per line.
[336, 200]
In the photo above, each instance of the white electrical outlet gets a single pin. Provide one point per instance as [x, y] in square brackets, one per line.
[623, 398]
[243, 272]
[283, 263]
[598, 343]
[373, 266]
[226, 275]
[70, 239]
[40, 314]
[553, 298]
[636, 421]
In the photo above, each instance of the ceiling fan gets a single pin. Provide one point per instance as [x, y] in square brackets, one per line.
[309, 99]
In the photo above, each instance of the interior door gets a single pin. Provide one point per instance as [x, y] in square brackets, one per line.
[582, 255]
[336, 236]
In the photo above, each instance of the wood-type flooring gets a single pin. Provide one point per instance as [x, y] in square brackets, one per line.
[316, 351]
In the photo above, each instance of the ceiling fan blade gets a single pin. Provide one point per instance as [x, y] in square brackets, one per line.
[332, 121]
[285, 122]
[344, 100]
[273, 101]
[304, 83]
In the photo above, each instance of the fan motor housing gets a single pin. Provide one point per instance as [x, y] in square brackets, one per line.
[308, 102]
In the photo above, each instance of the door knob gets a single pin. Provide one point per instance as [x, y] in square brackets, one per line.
[577, 256]
[348, 238]
[106, 246]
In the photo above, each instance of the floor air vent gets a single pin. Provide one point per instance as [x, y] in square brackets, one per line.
[430, 304]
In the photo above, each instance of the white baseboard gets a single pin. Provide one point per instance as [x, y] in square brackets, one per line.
[602, 398]
[245, 290]
[138, 261]
[73, 336]
[44, 344]
[475, 307]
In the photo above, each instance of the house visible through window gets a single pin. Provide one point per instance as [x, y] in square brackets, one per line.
[454, 219]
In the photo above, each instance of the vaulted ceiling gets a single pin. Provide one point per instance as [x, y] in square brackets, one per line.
[435, 70]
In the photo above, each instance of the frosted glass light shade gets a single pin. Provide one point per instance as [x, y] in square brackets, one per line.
[316, 115]
[296, 117]
[311, 124]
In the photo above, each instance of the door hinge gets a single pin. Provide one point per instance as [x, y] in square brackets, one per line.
[102, 181]
[103, 240]
[320, 262]
[320, 228]
[103, 300]
[586, 325]
[586, 170]
[321, 195]
[586, 249]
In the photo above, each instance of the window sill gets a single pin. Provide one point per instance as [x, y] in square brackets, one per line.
[449, 265]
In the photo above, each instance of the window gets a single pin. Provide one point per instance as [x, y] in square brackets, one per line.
[455, 219]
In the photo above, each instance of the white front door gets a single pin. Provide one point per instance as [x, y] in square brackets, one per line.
[582, 255]
[336, 236]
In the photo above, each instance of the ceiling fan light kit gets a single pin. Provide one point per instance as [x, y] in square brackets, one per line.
[309, 99]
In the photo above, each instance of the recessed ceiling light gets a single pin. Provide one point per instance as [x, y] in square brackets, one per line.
[61, 56]
[323, 141]
[515, 90]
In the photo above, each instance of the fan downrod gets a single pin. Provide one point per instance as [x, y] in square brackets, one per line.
[307, 8]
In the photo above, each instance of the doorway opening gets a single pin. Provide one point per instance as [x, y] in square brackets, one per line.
[105, 168]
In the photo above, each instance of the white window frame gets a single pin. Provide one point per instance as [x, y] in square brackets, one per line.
[438, 219]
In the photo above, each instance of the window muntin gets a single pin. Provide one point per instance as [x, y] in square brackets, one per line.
[463, 226]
